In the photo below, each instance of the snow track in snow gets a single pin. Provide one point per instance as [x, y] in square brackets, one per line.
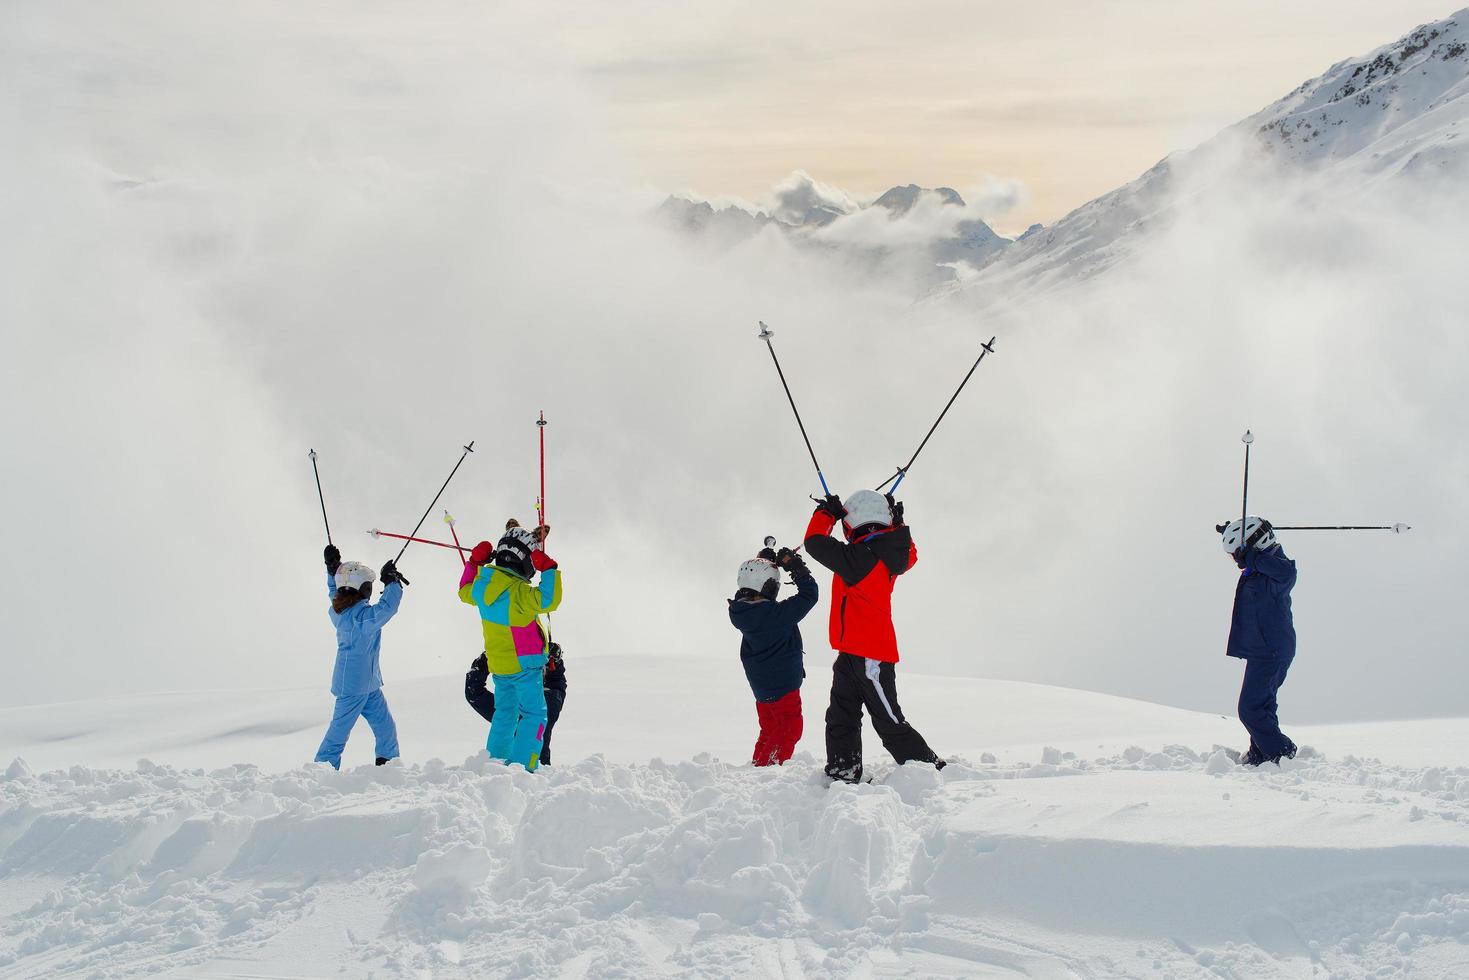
[1127, 865]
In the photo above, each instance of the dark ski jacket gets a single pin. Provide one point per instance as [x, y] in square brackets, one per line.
[1262, 627]
[862, 588]
[771, 648]
[555, 674]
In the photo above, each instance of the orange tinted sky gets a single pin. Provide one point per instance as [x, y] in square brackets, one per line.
[1073, 97]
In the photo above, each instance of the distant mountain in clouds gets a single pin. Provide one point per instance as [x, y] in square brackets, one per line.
[932, 231]
[1400, 112]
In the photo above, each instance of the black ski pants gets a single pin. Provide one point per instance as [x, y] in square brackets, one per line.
[855, 682]
[482, 700]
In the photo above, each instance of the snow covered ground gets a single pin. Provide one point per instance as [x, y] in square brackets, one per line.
[1079, 835]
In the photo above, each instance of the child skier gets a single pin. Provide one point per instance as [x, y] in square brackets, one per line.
[1262, 633]
[771, 648]
[498, 582]
[879, 548]
[554, 687]
[357, 679]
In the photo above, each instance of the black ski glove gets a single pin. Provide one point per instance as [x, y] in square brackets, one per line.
[832, 506]
[896, 506]
[390, 574]
[792, 562]
[332, 557]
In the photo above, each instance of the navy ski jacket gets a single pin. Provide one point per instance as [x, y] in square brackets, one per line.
[771, 649]
[1262, 627]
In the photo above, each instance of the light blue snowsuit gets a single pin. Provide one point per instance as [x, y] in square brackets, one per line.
[357, 679]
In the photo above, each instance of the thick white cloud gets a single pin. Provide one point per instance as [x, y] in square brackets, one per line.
[234, 234]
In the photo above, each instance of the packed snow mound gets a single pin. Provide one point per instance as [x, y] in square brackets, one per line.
[1155, 859]
[1398, 112]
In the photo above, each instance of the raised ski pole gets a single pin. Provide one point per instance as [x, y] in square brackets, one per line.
[1394, 528]
[319, 496]
[1244, 509]
[449, 520]
[765, 334]
[988, 348]
[541, 500]
[467, 450]
[408, 537]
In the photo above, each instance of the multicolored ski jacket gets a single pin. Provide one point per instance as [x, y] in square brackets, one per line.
[508, 607]
[862, 588]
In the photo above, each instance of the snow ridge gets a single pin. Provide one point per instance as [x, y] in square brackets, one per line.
[705, 868]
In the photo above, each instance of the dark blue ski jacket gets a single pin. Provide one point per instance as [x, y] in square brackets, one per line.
[771, 648]
[1262, 627]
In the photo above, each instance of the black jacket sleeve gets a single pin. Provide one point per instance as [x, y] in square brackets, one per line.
[852, 562]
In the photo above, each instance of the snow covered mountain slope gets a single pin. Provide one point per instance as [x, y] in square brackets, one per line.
[1399, 111]
[922, 231]
[1103, 838]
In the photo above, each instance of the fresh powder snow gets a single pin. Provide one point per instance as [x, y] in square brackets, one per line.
[1073, 834]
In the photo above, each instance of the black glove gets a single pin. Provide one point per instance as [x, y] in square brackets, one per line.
[792, 562]
[896, 506]
[390, 574]
[480, 666]
[832, 506]
[332, 557]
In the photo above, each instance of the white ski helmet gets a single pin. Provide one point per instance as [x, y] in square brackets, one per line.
[354, 575]
[1233, 539]
[866, 507]
[759, 575]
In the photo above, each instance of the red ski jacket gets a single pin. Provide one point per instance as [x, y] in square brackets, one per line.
[862, 588]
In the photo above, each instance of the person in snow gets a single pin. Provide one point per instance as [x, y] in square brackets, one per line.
[357, 679]
[1262, 633]
[498, 582]
[771, 649]
[878, 549]
[482, 700]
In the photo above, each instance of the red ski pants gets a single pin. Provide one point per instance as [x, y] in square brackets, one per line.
[780, 729]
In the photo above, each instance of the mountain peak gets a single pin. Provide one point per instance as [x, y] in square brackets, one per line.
[900, 199]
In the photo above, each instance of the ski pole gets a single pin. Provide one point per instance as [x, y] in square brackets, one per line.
[988, 348]
[449, 520]
[1394, 528]
[765, 334]
[408, 537]
[541, 500]
[1244, 510]
[312, 454]
[467, 450]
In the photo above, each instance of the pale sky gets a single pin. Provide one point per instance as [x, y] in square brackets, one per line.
[1073, 97]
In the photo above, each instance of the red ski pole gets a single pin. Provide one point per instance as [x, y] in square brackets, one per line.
[449, 520]
[408, 537]
[541, 500]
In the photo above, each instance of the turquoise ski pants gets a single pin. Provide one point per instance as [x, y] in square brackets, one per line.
[519, 722]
